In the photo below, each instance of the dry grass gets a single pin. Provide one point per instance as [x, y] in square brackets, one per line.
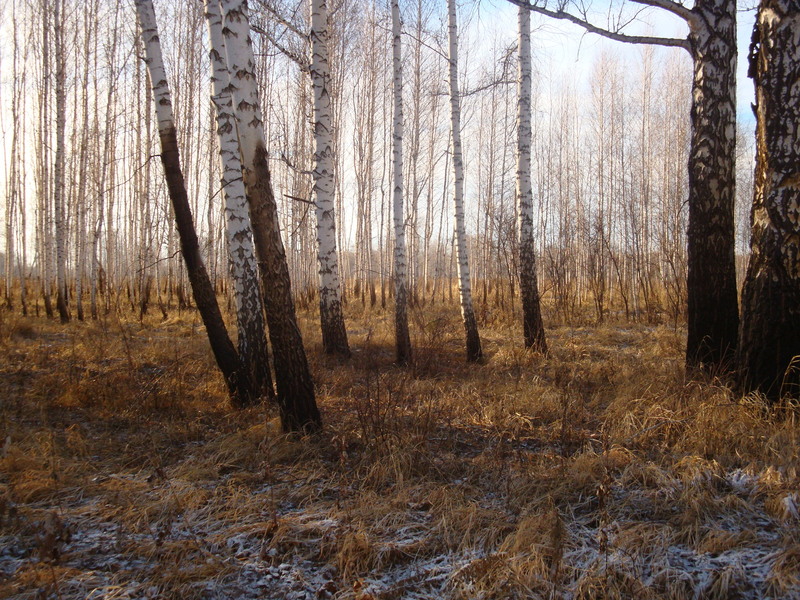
[596, 472]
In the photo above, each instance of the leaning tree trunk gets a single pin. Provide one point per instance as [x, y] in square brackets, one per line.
[533, 328]
[334, 334]
[221, 345]
[769, 343]
[474, 351]
[295, 388]
[712, 311]
[402, 337]
[252, 341]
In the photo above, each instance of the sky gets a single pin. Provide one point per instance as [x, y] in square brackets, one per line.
[571, 49]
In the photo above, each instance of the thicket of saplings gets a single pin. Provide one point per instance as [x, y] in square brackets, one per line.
[599, 470]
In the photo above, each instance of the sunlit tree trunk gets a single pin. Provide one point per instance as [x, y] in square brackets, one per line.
[473, 341]
[402, 338]
[252, 340]
[533, 329]
[334, 334]
[769, 345]
[295, 388]
[221, 345]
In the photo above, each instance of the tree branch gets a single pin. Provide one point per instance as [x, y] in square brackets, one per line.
[675, 8]
[283, 21]
[612, 35]
[301, 61]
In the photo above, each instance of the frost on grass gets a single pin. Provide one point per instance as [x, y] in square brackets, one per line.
[571, 477]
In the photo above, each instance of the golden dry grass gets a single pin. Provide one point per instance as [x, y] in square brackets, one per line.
[595, 472]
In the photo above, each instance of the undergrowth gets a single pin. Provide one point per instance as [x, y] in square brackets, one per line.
[598, 471]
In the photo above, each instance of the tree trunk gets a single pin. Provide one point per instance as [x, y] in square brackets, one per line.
[295, 388]
[334, 334]
[252, 341]
[713, 316]
[533, 328]
[59, 187]
[474, 351]
[221, 345]
[769, 342]
[402, 338]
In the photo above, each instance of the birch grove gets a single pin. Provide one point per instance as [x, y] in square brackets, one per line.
[371, 212]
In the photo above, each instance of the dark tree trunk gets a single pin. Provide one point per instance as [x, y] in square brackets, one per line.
[713, 316]
[295, 388]
[769, 341]
[239, 386]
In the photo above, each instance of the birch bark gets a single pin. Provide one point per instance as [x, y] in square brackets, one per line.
[59, 188]
[221, 345]
[769, 342]
[402, 338]
[252, 340]
[473, 342]
[533, 329]
[713, 310]
[334, 334]
[81, 207]
[295, 388]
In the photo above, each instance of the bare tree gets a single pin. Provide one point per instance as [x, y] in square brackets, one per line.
[713, 315]
[221, 345]
[334, 334]
[295, 388]
[474, 352]
[402, 338]
[533, 329]
[770, 334]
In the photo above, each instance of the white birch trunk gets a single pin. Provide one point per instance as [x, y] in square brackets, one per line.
[474, 351]
[60, 164]
[295, 388]
[533, 329]
[334, 334]
[252, 340]
[81, 204]
[402, 338]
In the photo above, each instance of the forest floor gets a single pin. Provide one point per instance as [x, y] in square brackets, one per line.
[596, 472]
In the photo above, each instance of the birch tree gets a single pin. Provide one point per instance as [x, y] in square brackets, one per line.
[252, 342]
[295, 388]
[474, 352]
[221, 345]
[713, 315]
[533, 329]
[769, 345]
[402, 338]
[334, 334]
